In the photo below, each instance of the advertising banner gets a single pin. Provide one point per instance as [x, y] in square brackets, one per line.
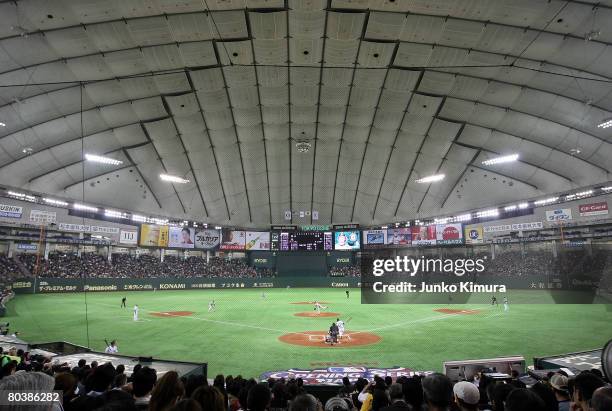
[207, 239]
[423, 235]
[588, 210]
[153, 235]
[346, 240]
[257, 240]
[399, 236]
[560, 214]
[181, 237]
[128, 237]
[233, 240]
[334, 375]
[474, 235]
[374, 237]
[449, 233]
[44, 217]
[10, 211]
[536, 225]
[27, 246]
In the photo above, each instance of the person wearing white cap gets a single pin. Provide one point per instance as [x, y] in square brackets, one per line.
[559, 382]
[466, 395]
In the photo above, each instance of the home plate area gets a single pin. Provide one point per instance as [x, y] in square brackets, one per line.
[318, 339]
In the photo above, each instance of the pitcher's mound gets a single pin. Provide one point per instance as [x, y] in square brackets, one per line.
[315, 314]
[317, 339]
[310, 302]
[172, 313]
[456, 311]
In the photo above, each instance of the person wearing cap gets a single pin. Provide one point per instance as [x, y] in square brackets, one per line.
[337, 404]
[558, 383]
[466, 396]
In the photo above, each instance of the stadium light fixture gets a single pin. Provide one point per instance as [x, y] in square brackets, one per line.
[102, 160]
[83, 207]
[115, 214]
[510, 208]
[494, 212]
[441, 220]
[173, 179]
[55, 202]
[2, 124]
[605, 123]
[463, 217]
[523, 206]
[546, 201]
[500, 160]
[218, 227]
[608, 188]
[431, 179]
[139, 218]
[384, 227]
[22, 196]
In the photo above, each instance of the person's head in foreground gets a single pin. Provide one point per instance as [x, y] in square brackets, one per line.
[522, 399]
[305, 402]
[437, 392]
[27, 381]
[167, 392]
[602, 399]
[259, 397]
[466, 396]
[585, 385]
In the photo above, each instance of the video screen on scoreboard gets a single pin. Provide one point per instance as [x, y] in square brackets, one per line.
[305, 241]
[346, 240]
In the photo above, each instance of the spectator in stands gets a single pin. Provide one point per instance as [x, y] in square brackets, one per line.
[522, 399]
[304, 402]
[466, 396]
[337, 404]
[193, 382]
[97, 384]
[498, 393]
[602, 399]
[187, 404]
[585, 385]
[558, 383]
[396, 397]
[67, 384]
[167, 392]
[27, 381]
[209, 398]
[143, 381]
[259, 398]
[413, 392]
[437, 392]
[545, 392]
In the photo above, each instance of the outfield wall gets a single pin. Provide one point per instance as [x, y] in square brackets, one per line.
[63, 285]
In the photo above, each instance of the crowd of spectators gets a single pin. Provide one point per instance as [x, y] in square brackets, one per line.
[8, 269]
[345, 271]
[61, 265]
[106, 387]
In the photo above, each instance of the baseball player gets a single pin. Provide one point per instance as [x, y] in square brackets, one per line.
[135, 313]
[211, 305]
[318, 307]
[340, 325]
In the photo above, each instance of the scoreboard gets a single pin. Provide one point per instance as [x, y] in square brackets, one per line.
[302, 241]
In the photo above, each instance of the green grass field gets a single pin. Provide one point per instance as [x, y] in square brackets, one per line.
[241, 336]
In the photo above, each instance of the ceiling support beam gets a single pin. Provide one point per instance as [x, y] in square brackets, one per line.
[365, 150]
[348, 105]
[399, 130]
[180, 138]
[263, 129]
[212, 146]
